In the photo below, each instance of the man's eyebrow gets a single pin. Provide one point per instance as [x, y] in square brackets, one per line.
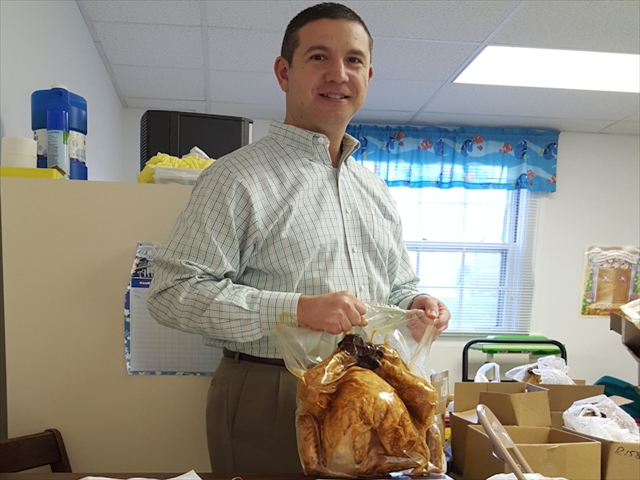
[322, 48]
[316, 47]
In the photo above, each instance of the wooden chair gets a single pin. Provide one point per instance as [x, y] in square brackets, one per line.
[31, 451]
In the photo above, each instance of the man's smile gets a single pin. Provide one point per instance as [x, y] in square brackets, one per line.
[335, 96]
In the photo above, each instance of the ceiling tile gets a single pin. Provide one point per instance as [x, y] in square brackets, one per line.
[269, 15]
[168, 84]
[623, 128]
[418, 60]
[458, 21]
[144, 11]
[602, 26]
[533, 102]
[158, 104]
[243, 50]
[382, 117]
[253, 112]
[258, 88]
[634, 117]
[405, 95]
[151, 45]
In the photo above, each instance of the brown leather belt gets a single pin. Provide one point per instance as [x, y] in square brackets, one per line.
[250, 358]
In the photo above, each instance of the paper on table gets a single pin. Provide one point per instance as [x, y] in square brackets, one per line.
[190, 475]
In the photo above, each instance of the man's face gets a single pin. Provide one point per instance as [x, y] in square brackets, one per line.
[326, 83]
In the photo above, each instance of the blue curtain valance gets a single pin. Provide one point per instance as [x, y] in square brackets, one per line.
[469, 157]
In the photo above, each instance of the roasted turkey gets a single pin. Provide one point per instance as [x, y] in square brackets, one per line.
[361, 412]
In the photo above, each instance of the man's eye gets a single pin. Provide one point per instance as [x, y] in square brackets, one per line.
[317, 57]
[354, 60]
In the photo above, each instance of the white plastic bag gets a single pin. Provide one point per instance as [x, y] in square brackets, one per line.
[481, 374]
[550, 370]
[600, 417]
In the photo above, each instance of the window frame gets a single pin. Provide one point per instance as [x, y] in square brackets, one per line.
[515, 283]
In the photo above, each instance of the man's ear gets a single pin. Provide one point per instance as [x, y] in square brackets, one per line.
[281, 69]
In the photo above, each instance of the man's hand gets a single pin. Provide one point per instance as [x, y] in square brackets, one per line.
[435, 311]
[331, 312]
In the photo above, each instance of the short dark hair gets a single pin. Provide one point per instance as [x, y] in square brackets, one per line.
[334, 11]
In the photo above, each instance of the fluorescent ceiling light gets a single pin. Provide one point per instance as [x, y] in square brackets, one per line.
[544, 68]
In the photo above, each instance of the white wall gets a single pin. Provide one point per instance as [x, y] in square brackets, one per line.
[597, 203]
[47, 42]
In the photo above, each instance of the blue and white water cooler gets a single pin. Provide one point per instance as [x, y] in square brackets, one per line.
[58, 98]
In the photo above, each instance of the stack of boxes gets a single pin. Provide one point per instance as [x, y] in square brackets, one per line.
[532, 415]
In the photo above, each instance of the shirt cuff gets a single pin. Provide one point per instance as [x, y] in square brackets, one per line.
[274, 304]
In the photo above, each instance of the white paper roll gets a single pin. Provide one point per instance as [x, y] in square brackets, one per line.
[19, 152]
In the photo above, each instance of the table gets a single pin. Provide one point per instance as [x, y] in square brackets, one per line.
[204, 476]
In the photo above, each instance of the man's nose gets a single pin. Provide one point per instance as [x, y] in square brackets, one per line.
[337, 72]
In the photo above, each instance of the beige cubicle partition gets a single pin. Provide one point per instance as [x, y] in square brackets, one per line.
[67, 252]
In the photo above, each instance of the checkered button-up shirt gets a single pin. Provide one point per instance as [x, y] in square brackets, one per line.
[268, 223]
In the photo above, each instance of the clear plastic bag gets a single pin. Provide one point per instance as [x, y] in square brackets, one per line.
[600, 417]
[550, 370]
[364, 405]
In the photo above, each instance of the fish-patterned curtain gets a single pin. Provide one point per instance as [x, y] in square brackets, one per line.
[469, 157]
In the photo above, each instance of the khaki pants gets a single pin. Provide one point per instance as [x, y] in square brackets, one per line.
[251, 419]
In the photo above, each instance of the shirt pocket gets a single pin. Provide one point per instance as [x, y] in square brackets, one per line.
[381, 236]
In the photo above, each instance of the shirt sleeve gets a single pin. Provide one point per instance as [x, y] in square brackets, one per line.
[194, 287]
[404, 287]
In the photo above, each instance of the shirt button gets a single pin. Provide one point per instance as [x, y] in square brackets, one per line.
[320, 140]
[348, 209]
[362, 288]
[309, 157]
[354, 249]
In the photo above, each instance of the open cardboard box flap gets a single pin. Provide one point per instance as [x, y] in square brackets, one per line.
[550, 452]
[513, 403]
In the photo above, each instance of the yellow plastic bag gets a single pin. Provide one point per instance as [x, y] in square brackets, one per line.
[192, 161]
[364, 405]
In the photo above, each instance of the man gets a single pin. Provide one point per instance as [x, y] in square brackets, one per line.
[290, 223]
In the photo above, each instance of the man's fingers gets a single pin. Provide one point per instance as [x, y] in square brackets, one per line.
[360, 307]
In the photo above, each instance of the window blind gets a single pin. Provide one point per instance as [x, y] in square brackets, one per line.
[474, 250]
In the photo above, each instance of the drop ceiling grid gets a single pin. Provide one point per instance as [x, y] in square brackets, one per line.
[156, 52]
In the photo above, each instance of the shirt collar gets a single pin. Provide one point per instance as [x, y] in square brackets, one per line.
[308, 141]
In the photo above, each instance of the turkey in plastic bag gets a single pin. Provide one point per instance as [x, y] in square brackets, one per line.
[364, 406]
[549, 370]
[600, 417]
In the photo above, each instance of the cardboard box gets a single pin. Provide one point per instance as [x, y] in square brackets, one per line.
[556, 420]
[619, 460]
[440, 382]
[467, 394]
[527, 409]
[550, 452]
[512, 402]
[562, 397]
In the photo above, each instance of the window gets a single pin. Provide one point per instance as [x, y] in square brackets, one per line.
[473, 249]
